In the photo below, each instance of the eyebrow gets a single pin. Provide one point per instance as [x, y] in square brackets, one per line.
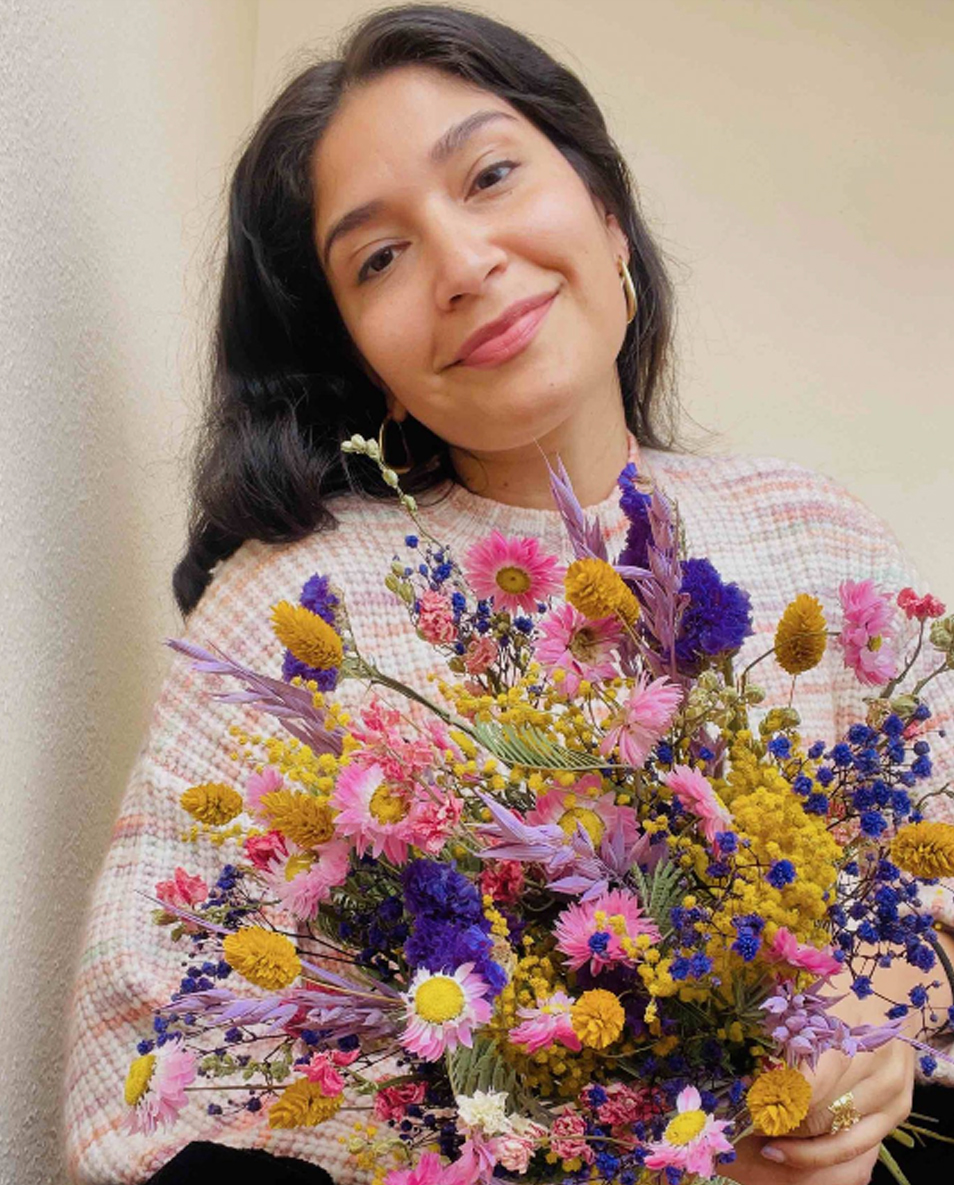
[453, 140]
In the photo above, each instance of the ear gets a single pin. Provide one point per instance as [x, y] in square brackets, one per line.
[617, 237]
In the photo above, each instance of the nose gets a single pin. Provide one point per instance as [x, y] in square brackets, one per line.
[464, 254]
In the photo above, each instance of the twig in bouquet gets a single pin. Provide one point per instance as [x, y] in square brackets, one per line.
[356, 667]
[899, 679]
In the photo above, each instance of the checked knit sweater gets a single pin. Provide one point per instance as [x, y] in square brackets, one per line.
[771, 525]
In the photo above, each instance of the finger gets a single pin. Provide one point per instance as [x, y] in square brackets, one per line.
[816, 1152]
[881, 1081]
[752, 1169]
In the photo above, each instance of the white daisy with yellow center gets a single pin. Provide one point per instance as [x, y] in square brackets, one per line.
[443, 1008]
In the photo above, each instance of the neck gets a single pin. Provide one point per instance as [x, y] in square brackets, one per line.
[592, 448]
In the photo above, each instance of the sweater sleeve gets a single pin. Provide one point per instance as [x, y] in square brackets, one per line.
[128, 965]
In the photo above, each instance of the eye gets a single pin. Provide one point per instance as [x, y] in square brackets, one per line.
[375, 264]
[509, 165]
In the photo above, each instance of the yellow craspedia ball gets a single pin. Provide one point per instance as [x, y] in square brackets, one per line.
[303, 1105]
[778, 1100]
[800, 638]
[214, 803]
[309, 637]
[304, 819]
[597, 1018]
[597, 590]
[925, 849]
[138, 1079]
[267, 959]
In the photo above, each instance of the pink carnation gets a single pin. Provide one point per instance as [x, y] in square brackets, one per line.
[263, 849]
[866, 629]
[696, 795]
[645, 717]
[436, 618]
[183, 891]
[577, 925]
[786, 948]
[260, 784]
[514, 1148]
[919, 607]
[480, 655]
[515, 572]
[503, 880]
[322, 1070]
[568, 1137]
[582, 648]
[392, 1101]
[434, 818]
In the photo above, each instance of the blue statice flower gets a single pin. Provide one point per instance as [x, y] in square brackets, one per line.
[717, 619]
[635, 505]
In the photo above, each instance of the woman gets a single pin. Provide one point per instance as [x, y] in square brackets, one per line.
[434, 239]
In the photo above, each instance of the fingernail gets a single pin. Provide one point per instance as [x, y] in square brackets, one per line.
[775, 1154]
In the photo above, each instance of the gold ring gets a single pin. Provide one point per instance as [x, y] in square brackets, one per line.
[844, 1113]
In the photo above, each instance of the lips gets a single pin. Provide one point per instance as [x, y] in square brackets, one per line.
[499, 327]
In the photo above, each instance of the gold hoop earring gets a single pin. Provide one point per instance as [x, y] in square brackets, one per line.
[408, 462]
[628, 289]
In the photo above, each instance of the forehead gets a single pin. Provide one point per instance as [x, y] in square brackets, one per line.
[386, 128]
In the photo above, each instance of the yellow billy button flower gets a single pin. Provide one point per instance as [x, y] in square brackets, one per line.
[303, 1104]
[597, 590]
[925, 849]
[309, 637]
[212, 802]
[304, 819]
[597, 1018]
[262, 957]
[778, 1100]
[138, 1079]
[800, 638]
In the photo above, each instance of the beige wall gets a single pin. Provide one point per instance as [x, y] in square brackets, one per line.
[794, 157]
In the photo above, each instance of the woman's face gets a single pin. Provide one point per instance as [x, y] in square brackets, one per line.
[456, 232]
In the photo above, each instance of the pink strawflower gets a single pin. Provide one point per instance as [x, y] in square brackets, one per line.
[259, 785]
[602, 931]
[645, 717]
[372, 811]
[696, 795]
[546, 1025]
[480, 655]
[514, 571]
[503, 880]
[568, 1137]
[304, 891]
[919, 607]
[391, 1102]
[262, 850]
[691, 1140]
[174, 1069]
[786, 948]
[583, 649]
[321, 1069]
[183, 891]
[443, 1009]
[436, 618]
[581, 805]
[866, 629]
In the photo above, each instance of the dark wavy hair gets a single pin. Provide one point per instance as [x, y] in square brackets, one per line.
[286, 383]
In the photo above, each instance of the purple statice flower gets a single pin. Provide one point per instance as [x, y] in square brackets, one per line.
[635, 505]
[438, 892]
[584, 534]
[293, 706]
[326, 679]
[804, 1028]
[716, 620]
[317, 596]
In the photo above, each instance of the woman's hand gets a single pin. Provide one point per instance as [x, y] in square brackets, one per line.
[881, 1083]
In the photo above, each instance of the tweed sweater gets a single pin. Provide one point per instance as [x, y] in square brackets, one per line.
[772, 526]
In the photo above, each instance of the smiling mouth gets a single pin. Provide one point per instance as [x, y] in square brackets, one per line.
[517, 328]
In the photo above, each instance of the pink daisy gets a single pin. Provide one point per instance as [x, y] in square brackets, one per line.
[546, 1024]
[443, 1008]
[691, 1140]
[645, 717]
[578, 646]
[259, 785]
[786, 948]
[303, 880]
[159, 1080]
[601, 931]
[372, 812]
[866, 628]
[695, 794]
[515, 572]
[430, 1171]
[582, 805]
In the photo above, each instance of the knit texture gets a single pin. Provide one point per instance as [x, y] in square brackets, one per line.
[771, 525]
